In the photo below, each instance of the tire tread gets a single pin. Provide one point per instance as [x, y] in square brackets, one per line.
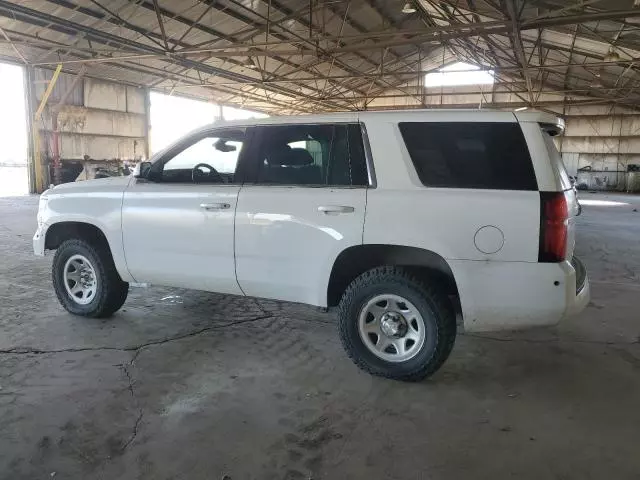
[114, 290]
[444, 313]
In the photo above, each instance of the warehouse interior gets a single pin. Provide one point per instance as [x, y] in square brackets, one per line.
[186, 384]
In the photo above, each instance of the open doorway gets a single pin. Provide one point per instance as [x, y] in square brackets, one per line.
[172, 117]
[14, 178]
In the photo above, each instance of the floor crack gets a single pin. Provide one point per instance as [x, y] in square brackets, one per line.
[124, 367]
[130, 348]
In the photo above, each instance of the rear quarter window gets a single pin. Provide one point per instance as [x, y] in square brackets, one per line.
[479, 155]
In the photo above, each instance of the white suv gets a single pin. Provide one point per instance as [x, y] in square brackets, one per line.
[406, 220]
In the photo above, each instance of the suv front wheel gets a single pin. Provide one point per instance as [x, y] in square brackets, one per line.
[85, 279]
[395, 324]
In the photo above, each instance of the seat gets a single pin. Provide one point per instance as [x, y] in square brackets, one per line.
[291, 166]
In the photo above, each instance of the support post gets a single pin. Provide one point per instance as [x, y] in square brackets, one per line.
[37, 154]
[147, 123]
[29, 78]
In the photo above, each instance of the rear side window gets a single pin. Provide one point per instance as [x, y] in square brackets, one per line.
[470, 155]
[318, 155]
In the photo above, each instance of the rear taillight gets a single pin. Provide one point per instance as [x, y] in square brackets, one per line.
[554, 215]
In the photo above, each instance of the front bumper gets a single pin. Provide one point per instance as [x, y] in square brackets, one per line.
[38, 240]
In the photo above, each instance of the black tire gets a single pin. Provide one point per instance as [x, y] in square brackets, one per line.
[433, 305]
[111, 292]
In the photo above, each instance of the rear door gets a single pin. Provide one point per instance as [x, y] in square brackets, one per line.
[303, 205]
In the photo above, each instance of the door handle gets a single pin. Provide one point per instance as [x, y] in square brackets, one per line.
[329, 209]
[215, 206]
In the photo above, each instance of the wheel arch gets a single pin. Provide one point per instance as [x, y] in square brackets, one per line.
[65, 230]
[357, 259]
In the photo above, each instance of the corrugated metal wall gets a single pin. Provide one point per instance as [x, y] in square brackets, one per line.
[101, 120]
[599, 144]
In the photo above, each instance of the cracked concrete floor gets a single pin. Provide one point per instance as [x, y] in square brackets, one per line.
[184, 384]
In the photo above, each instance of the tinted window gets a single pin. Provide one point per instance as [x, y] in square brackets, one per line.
[310, 155]
[470, 155]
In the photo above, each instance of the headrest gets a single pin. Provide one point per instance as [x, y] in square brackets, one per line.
[292, 157]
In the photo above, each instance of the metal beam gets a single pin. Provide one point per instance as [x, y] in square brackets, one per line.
[37, 157]
[27, 15]
[161, 24]
[516, 42]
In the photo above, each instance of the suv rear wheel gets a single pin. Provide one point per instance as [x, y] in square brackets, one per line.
[85, 279]
[395, 324]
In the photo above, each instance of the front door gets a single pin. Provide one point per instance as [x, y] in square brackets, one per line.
[177, 222]
[303, 204]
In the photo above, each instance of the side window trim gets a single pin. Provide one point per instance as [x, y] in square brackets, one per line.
[371, 172]
[253, 161]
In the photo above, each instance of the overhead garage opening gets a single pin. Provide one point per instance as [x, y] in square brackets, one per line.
[13, 132]
[459, 74]
[172, 117]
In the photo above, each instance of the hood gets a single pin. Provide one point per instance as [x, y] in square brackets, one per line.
[98, 184]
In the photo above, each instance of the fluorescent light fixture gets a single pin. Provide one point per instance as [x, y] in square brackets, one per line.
[408, 8]
[520, 109]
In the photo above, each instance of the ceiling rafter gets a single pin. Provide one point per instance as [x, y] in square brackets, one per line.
[335, 54]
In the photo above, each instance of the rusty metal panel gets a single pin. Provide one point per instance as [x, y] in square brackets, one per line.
[135, 100]
[105, 95]
[100, 122]
[602, 145]
[603, 126]
[75, 146]
[63, 84]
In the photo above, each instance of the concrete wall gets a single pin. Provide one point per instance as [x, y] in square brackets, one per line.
[102, 120]
[598, 145]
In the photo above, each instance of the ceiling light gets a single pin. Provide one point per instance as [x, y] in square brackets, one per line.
[408, 8]
[249, 63]
[612, 56]
[520, 109]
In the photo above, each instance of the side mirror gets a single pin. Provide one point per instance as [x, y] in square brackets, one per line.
[142, 170]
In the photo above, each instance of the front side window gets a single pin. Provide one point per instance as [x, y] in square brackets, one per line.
[209, 159]
[311, 155]
[479, 155]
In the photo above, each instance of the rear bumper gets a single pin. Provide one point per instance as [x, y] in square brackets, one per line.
[516, 295]
[582, 292]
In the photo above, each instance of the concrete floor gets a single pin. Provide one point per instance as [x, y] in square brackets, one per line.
[184, 384]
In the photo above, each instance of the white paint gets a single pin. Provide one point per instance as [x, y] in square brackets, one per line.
[169, 239]
[277, 243]
[96, 202]
[489, 239]
[286, 246]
